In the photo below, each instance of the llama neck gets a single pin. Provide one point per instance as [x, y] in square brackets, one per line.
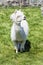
[17, 24]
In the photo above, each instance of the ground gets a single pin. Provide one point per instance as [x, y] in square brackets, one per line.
[7, 53]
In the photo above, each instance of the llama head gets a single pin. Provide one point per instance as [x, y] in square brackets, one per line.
[17, 16]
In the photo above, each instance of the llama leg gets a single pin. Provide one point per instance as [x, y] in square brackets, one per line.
[16, 46]
[22, 47]
[19, 45]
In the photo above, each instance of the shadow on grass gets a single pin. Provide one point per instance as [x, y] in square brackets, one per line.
[27, 46]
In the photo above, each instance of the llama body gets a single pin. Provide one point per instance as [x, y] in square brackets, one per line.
[19, 30]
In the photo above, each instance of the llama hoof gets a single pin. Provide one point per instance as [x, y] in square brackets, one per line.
[16, 51]
[22, 50]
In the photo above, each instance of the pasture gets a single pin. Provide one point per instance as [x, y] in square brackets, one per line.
[7, 53]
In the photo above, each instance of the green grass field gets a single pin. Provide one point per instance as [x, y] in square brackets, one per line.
[7, 53]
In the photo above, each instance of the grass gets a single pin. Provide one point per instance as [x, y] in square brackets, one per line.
[7, 53]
